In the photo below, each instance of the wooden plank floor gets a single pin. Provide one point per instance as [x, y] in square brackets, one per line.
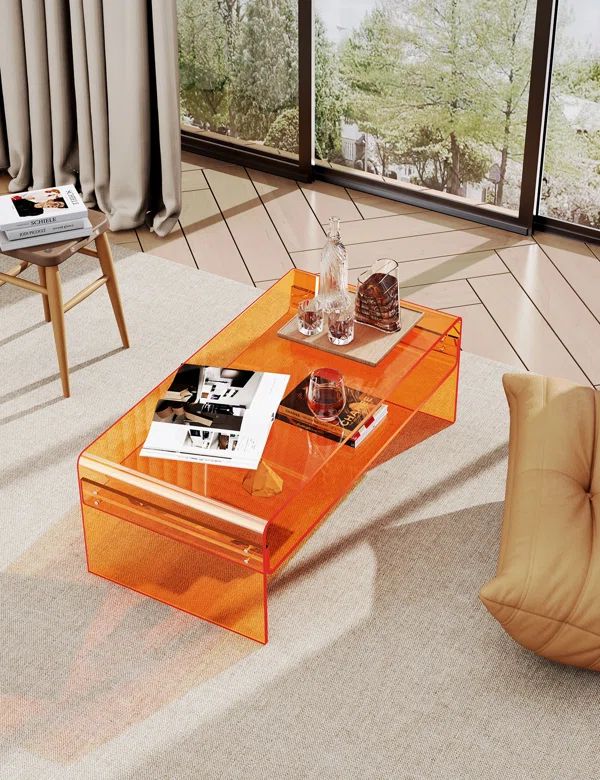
[531, 302]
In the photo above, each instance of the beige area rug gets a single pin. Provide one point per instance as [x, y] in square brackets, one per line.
[381, 663]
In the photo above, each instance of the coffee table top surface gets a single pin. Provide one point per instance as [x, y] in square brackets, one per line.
[316, 471]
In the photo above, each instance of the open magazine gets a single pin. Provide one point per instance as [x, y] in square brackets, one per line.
[220, 416]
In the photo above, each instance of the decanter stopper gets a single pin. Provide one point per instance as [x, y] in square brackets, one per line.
[333, 276]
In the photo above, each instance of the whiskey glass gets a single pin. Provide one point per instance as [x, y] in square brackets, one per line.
[326, 394]
[310, 316]
[341, 321]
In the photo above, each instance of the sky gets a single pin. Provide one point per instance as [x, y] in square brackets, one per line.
[341, 16]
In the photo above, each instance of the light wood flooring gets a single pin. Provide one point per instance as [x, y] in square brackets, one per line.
[532, 302]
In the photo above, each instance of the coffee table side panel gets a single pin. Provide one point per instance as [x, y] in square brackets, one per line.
[180, 575]
[443, 403]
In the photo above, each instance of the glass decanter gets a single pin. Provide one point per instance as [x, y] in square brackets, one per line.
[333, 276]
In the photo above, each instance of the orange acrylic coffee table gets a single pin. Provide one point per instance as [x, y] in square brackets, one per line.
[190, 535]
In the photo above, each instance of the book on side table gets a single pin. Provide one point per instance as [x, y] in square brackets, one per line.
[42, 216]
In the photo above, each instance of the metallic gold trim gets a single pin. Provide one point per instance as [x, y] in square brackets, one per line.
[178, 495]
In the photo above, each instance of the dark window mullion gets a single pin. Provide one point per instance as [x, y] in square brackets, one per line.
[306, 112]
[537, 111]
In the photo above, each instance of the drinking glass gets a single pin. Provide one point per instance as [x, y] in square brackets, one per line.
[341, 321]
[326, 395]
[310, 316]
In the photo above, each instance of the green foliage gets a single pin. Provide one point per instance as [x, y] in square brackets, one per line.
[581, 79]
[571, 183]
[238, 63]
[504, 75]
[265, 79]
[204, 62]
[430, 151]
[283, 133]
[330, 96]
[440, 89]
[371, 66]
[408, 69]
[572, 200]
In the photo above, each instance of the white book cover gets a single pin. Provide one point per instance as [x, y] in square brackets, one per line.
[23, 243]
[41, 207]
[225, 419]
[48, 230]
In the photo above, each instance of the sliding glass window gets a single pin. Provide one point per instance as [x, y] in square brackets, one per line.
[440, 103]
[570, 190]
[432, 95]
[238, 64]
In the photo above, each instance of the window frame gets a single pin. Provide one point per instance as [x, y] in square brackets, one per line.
[306, 168]
[540, 222]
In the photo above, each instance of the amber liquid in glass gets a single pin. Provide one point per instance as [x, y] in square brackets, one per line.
[326, 402]
[341, 331]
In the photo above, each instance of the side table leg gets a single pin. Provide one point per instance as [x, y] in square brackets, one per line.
[42, 277]
[108, 269]
[57, 315]
[443, 402]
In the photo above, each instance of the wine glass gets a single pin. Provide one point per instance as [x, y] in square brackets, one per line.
[326, 396]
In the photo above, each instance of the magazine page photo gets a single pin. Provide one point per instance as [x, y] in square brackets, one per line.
[215, 415]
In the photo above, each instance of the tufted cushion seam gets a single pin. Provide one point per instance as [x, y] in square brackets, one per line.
[507, 514]
[597, 659]
[577, 601]
[596, 447]
[584, 488]
[543, 617]
[534, 537]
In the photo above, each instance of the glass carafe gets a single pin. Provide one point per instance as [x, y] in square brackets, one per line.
[333, 276]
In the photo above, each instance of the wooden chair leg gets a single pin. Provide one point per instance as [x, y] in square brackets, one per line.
[42, 276]
[108, 269]
[57, 316]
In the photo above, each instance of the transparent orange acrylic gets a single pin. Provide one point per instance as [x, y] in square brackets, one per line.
[190, 535]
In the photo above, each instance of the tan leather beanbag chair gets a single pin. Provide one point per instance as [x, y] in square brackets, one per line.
[546, 593]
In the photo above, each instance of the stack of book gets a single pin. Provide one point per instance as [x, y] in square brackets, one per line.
[358, 419]
[41, 217]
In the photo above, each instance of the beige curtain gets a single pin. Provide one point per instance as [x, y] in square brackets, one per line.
[89, 93]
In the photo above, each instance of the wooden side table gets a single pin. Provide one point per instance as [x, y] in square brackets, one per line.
[48, 257]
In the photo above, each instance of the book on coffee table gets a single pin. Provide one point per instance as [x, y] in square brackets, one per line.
[213, 415]
[359, 417]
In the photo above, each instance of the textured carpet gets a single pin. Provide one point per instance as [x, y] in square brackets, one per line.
[381, 663]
